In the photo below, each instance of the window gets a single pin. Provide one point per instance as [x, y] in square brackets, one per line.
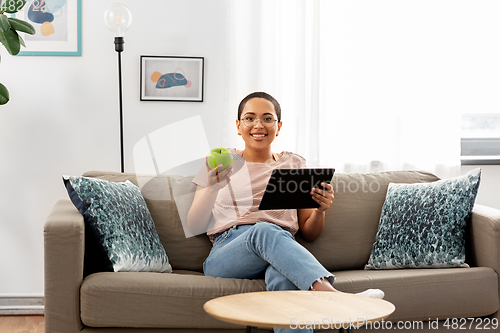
[480, 142]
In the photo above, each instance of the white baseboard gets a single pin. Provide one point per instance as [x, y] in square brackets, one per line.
[21, 304]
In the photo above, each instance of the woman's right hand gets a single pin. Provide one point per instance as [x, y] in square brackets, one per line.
[217, 178]
[198, 217]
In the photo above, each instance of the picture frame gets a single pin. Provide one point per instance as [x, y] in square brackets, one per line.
[58, 25]
[172, 78]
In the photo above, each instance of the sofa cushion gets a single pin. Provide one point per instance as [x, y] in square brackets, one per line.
[423, 225]
[429, 294]
[352, 220]
[168, 199]
[176, 300]
[156, 300]
[118, 221]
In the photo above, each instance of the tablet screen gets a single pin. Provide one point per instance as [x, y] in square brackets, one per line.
[291, 188]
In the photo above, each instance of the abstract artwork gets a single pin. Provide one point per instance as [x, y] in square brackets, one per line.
[169, 78]
[57, 24]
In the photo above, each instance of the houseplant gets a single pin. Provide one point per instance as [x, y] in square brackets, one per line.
[9, 36]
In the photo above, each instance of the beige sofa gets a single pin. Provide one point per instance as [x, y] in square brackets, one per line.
[163, 302]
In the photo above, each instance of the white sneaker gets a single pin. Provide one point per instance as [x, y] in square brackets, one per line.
[374, 293]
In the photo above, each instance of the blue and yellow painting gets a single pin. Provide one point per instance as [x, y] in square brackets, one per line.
[164, 81]
[43, 12]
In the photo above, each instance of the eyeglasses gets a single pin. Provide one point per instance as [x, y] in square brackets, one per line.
[267, 121]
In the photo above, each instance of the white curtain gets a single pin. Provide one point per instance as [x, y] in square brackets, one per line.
[365, 86]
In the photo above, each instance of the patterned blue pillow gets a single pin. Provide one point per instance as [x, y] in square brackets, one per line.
[423, 225]
[120, 234]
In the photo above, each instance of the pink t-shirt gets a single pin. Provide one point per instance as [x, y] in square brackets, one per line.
[238, 202]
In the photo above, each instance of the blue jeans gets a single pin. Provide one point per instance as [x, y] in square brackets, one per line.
[265, 250]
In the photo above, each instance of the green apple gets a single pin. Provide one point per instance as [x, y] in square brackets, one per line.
[219, 156]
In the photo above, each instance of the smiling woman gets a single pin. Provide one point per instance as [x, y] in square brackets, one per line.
[249, 242]
[258, 123]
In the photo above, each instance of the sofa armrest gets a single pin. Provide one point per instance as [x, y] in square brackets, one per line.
[484, 240]
[484, 237]
[64, 237]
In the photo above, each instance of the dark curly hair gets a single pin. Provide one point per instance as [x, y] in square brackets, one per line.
[260, 94]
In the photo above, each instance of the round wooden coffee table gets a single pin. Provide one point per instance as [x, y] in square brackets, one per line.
[297, 309]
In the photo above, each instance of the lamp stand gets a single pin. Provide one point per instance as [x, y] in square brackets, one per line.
[119, 49]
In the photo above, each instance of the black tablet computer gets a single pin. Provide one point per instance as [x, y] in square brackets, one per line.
[291, 188]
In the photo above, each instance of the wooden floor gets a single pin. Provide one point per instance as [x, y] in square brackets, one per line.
[22, 324]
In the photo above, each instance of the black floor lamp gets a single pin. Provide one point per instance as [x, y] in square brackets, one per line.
[118, 19]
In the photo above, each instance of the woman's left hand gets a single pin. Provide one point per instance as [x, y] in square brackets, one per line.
[323, 197]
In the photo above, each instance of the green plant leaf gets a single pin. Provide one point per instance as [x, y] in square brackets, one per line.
[4, 23]
[12, 6]
[4, 94]
[21, 41]
[21, 25]
[10, 40]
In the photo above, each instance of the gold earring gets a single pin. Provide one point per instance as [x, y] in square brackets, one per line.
[239, 133]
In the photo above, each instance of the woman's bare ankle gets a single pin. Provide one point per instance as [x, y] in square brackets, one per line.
[322, 285]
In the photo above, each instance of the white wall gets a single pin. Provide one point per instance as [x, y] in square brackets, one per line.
[63, 117]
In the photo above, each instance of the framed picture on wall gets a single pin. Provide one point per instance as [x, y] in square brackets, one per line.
[171, 78]
[58, 27]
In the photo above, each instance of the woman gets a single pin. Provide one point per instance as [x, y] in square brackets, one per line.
[249, 243]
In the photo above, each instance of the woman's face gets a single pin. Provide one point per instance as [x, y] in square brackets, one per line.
[262, 113]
